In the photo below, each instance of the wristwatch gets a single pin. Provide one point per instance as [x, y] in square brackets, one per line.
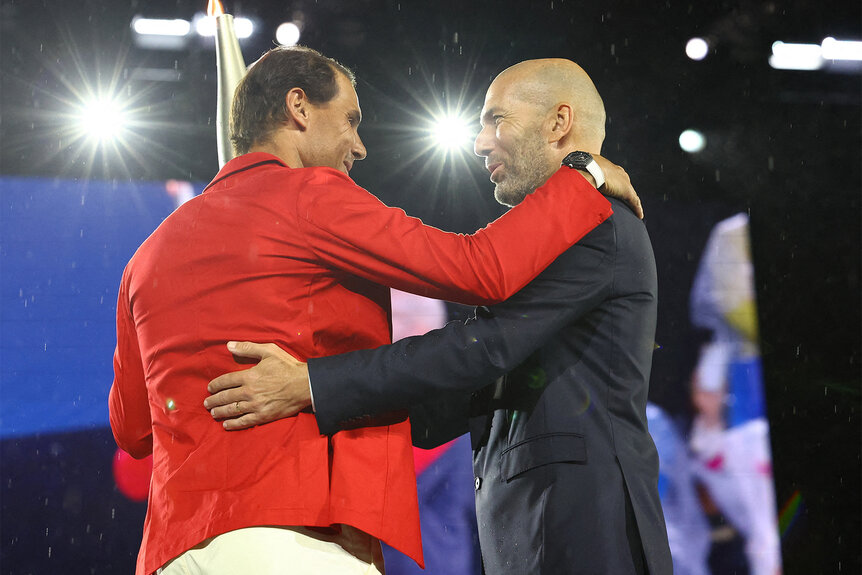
[585, 161]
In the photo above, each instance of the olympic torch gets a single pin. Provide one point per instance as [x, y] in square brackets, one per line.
[230, 68]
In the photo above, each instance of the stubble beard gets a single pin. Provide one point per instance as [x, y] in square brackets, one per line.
[526, 171]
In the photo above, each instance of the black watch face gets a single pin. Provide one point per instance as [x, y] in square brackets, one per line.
[578, 160]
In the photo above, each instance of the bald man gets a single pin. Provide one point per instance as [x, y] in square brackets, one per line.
[566, 472]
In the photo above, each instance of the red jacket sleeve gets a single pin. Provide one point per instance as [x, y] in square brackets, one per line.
[128, 406]
[351, 229]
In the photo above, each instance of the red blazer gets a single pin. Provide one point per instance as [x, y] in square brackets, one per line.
[299, 257]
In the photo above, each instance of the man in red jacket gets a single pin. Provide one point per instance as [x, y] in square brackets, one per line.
[283, 246]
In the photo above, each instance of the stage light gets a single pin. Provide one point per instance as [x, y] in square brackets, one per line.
[287, 34]
[832, 49]
[692, 141]
[787, 56]
[102, 119]
[452, 132]
[155, 27]
[697, 49]
[205, 26]
[154, 34]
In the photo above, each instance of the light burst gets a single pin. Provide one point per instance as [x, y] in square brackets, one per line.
[89, 117]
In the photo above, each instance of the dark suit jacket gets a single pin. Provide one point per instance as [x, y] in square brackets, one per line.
[566, 471]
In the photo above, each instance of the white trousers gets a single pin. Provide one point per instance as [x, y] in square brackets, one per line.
[281, 551]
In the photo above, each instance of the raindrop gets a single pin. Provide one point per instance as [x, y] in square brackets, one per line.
[717, 176]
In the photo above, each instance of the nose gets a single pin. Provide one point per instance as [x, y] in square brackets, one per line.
[484, 141]
[359, 151]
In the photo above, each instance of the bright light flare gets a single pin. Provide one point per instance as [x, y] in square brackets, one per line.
[102, 119]
[155, 27]
[697, 49]
[787, 56]
[287, 34]
[452, 132]
[692, 141]
[832, 49]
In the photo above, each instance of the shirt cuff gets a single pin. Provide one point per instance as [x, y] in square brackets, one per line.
[311, 392]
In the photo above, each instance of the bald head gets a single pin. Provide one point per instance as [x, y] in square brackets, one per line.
[534, 114]
[549, 82]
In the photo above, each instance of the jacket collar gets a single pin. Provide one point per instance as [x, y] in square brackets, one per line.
[243, 163]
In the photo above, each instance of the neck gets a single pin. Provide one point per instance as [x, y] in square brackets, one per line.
[580, 143]
[283, 147]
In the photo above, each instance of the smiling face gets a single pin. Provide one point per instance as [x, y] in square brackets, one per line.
[513, 141]
[333, 131]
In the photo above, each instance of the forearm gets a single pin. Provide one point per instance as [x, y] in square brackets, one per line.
[462, 356]
[411, 371]
[386, 246]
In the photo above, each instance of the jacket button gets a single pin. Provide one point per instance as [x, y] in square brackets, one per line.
[478, 483]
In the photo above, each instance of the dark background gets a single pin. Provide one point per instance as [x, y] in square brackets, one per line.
[783, 145]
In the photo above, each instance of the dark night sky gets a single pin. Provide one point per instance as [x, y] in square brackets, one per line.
[783, 145]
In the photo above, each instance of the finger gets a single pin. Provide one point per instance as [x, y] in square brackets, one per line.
[226, 381]
[230, 411]
[251, 349]
[238, 423]
[224, 412]
[223, 399]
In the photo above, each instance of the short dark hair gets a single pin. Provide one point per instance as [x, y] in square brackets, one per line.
[259, 106]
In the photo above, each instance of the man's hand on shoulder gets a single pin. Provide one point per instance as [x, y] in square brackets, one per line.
[275, 388]
[619, 185]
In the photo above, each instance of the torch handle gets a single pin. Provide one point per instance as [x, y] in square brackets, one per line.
[231, 68]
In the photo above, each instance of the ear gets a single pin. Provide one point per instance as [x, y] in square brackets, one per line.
[296, 106]
[561, 121]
